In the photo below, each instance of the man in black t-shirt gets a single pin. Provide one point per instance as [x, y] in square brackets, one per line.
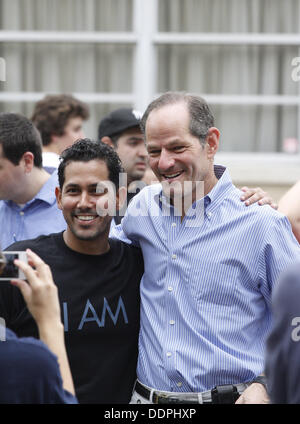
[97, 278]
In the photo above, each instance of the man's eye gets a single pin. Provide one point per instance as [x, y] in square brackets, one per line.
[178, 148]
[154, 152]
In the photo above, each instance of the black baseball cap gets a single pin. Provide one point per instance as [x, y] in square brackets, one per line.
[118, 121]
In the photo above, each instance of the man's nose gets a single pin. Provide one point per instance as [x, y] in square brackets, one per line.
[85, 200]
[166, 160]
[142, 152]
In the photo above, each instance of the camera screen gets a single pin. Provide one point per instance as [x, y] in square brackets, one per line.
[8, 269]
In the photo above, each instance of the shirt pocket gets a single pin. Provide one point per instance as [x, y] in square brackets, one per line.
[214, 284]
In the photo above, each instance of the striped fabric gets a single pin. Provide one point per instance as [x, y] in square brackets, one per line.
[206, 289]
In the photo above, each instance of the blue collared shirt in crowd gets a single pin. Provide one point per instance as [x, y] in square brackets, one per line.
[38, 216]
[207, 286]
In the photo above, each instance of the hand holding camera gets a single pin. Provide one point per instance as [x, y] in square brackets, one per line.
[40, 292]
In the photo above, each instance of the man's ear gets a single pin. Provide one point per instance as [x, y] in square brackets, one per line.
[121, 197]
[27, 160]
[58, 197]
[212, 140]
[107, 140]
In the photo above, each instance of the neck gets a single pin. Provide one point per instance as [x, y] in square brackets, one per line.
[86, 247]
[33, 184]
[53, 148]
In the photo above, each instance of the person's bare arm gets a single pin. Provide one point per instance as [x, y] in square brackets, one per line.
[40, 295]
[289, 205]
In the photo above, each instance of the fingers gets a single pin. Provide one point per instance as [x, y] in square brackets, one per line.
[42, 269]
[41, 274]
[257, 195]
[274, 206]
[28, 271]
[23, 287]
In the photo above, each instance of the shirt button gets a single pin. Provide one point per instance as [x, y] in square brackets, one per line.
[174, 256]
[21, 213]
[173, 224]
[170, 288]
[209, 214]
[179, 384]
[169, 354]
[172, 322]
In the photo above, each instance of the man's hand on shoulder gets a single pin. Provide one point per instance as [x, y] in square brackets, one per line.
[257, 195]
[254, 394]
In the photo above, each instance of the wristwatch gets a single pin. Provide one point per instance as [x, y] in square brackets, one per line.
[261, 379]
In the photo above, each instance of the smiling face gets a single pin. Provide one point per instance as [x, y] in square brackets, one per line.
[78, 201]
[176, 156]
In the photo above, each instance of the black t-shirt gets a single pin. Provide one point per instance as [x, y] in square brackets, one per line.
[99, 296]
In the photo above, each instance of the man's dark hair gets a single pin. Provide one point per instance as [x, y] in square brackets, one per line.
[52, 113]
[85, 150]
[201, 117]
[18, 135]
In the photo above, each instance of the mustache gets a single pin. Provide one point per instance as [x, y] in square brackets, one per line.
[84, 211]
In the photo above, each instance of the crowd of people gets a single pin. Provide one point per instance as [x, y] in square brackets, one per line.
[151, 278]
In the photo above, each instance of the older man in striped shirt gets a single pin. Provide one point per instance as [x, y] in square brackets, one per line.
[210, 266]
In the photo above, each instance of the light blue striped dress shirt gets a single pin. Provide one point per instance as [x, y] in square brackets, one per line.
[38, 216]
[206, 290]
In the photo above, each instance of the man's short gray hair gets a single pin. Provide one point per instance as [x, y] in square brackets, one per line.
[201, 117]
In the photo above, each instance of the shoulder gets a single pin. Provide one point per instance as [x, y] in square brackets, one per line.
[36, 376]
[121, 248]
[262, 213]
[34, 244]
[29, 353]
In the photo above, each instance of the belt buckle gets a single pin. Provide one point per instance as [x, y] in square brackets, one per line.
[159, 398]
[164, 398]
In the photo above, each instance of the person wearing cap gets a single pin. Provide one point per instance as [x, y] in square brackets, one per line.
[120, 129]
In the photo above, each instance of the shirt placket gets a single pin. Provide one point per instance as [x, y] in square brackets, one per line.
[172, 280]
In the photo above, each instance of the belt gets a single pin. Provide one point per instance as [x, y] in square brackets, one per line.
[226, 394]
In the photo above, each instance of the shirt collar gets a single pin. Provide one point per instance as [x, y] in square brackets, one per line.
[46, 193]
[214, 197]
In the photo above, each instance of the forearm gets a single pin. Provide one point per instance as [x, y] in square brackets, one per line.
[53, 336]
